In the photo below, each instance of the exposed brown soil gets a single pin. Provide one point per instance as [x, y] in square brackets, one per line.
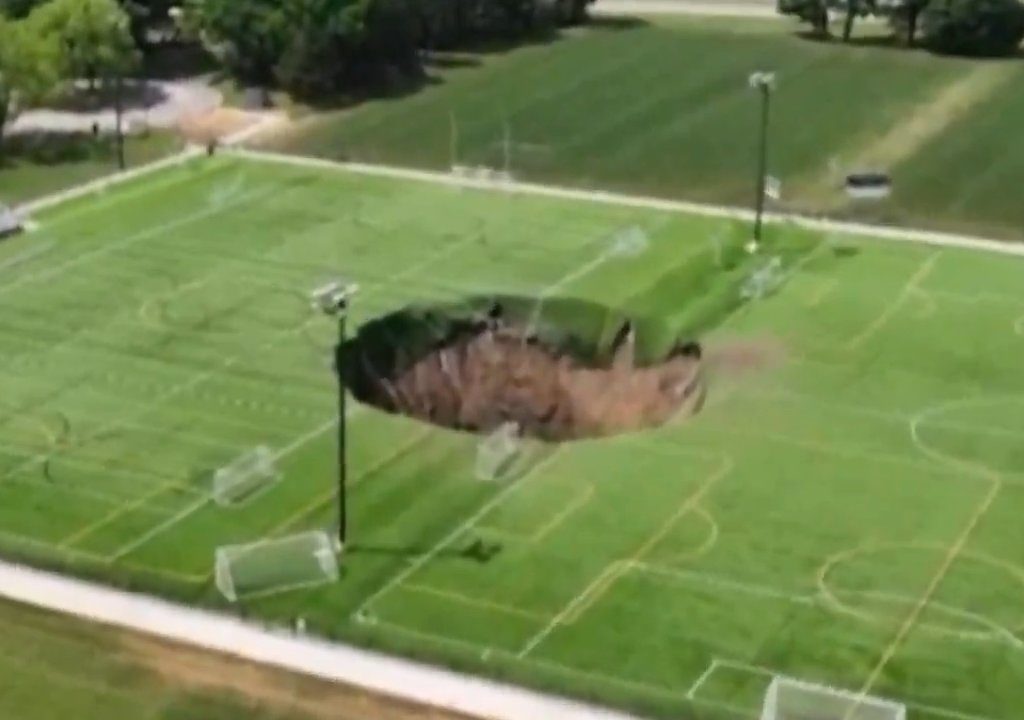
[270, 689]
[490, 373]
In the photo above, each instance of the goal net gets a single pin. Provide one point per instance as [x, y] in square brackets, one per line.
[764, 280]
[245, 476]
[790, 699]
[273, 566]
[497, 453]
[10, 223]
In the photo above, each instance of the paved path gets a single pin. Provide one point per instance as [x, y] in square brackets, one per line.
[166, 104]
[416, 682]
[721, 8]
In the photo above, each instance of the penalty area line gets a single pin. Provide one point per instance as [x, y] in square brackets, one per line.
[360, 612]
[199, 504]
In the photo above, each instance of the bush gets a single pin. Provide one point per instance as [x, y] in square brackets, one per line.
[991, 28]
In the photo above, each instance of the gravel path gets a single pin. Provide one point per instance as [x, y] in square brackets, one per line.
[161, 105]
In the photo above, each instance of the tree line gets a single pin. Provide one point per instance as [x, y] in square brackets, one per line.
[981, 28]
[313, 49]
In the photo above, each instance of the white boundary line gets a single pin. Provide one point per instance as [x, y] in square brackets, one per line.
[118, 178]
[602, 197]
[334, 662]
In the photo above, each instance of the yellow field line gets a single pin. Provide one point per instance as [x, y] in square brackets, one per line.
[906, 292]
[608, 576]
[115, 514]
[543, 531]
[933, 586]
[326, 497]
[581, 500]
[476, 602]
[688, 505]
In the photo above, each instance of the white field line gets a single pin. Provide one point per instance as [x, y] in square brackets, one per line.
[708, 672]
[194, 507]
[752, 669]
[882, 232]
[361, 612]
[302, 440]
[26, 255]
[415, 682]
[134, 239]
[119, 178]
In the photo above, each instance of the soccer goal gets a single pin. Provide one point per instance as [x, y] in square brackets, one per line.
[791, 699]
[244, 476]
[272, 566]
[10, 223]
[498, 452]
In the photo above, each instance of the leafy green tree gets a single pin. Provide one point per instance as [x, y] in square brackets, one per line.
[28, 70]
[17, 9]
[249, 36]
[905, 18]
[974, 27]
[319, 43]
[92, 38]
[813, 12]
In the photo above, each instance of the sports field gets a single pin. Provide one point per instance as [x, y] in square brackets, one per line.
[662, 106]
[845, 509]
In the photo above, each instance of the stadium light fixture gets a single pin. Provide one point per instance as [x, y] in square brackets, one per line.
[333, 300]
[764, 83]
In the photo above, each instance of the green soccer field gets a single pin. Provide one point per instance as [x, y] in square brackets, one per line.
[661, 106]
[845, 509]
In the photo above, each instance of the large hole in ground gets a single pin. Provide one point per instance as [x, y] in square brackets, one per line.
[559, 369]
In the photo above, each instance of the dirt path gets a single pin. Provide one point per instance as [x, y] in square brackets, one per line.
[190, 669]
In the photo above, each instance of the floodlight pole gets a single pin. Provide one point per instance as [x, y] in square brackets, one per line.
[342, 426]
[764, 82]
[333, 300]
[119, 118]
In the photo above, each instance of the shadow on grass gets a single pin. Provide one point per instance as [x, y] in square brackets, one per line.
[55, 148]
[389, 83]
[896, 41]
[477, 551]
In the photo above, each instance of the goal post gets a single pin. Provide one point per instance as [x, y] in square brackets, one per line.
[244, 477]
[792, 699]
[272, 566]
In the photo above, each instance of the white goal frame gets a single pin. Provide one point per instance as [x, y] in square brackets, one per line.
[316, 548]
[848, 705]
[245, 477]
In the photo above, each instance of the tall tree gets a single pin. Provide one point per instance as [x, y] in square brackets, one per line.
[974, 27]
[28, 70]
[904, 18]
[249, 36]
[91, 37]
[813, 12]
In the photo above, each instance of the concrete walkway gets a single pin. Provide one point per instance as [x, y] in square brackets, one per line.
[416, 682]
[720, 8]
[157, 105]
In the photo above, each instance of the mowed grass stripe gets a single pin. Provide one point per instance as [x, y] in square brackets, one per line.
[824, 464]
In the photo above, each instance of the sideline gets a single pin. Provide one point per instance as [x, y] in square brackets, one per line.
[117, 178]
[334, 662]
[876, 232]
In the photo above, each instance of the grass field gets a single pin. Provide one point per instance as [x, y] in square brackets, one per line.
[53, 667]
[662, 106]
[848, 513]
[38, 165]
